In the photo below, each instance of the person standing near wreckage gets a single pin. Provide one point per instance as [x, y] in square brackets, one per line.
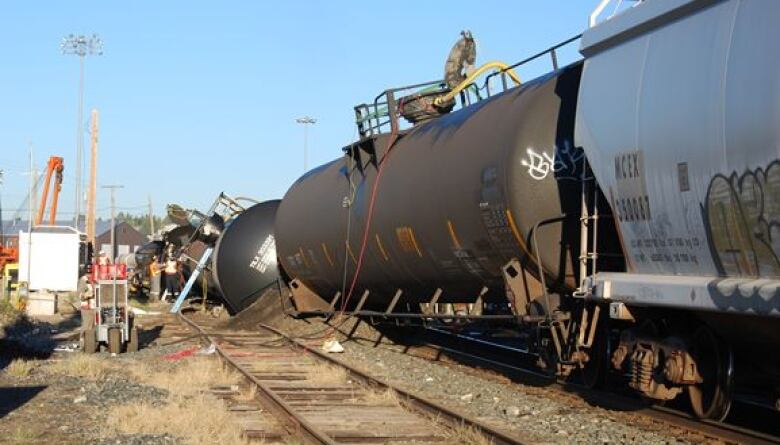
[155, 275]
[172, 275]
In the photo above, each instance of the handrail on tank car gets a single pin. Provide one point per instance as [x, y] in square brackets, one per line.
[368, 117]
[537, 256]
[551, 51]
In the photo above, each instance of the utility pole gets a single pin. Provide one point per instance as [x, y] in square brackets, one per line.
[306, 121]
[29, 220]
[111, 189]
[92, 193]
[81, 46]
[151, 217]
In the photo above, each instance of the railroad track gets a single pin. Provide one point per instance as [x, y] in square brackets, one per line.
[339, 412]
[434, 349]
[300, 386]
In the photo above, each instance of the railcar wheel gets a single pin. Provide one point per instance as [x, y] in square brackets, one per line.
[595, 372]
[711, 399]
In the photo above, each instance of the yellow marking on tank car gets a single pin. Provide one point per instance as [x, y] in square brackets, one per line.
[381, 247]
[327, 255]
[351, 254]
[407, 240]
[453, 235]
[303, 256]
[516, 233]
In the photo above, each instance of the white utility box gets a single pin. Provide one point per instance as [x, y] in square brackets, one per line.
[50, 259]
[41, 303]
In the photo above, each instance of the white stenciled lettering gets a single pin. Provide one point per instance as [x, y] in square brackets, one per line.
[265, 255]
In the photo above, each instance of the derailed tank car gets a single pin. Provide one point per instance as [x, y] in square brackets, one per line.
[456, 202]
[240, 243]
[242, 251]
[244, 262]
[644, 243]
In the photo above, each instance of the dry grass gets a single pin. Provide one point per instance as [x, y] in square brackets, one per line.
[387, 397]
[23, 436]
[190, 413]
[198, 420]
[188, 377]
[466, 435]
[83, 365]
[325, 374]
[247, 395]
[10, 311]
[20, 368]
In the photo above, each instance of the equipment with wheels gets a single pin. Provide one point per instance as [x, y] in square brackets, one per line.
[111, 321]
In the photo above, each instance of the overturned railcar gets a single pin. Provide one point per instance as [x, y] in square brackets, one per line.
[244, 262]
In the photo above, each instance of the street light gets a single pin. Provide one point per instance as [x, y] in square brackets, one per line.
[306, 121]
[80, 46]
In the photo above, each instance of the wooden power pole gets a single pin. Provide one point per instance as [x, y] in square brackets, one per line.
[92, 193]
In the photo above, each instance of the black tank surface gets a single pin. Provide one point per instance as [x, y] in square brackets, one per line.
[457, 200]
[244, 259]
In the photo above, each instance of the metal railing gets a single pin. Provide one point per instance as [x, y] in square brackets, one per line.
[599, 9]
[383, 113]
[374, 118]
[552, 52]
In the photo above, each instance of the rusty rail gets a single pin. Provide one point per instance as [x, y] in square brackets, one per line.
[294, 422]
[411, 401]
[290, 419]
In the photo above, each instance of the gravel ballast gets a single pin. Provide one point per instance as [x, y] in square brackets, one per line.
[542, 413]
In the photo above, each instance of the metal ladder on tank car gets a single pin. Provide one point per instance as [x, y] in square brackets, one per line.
[574, 334]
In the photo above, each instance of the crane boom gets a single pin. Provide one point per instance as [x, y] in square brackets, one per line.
[55, 167]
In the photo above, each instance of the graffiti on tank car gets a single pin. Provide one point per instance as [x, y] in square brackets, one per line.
[742, 214]
[563, 159]
[539, 165]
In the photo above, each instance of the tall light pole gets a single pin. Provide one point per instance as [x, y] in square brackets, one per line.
[81, 46]
[306, 121]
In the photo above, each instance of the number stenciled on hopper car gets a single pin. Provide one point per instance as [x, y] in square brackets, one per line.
[631, 201]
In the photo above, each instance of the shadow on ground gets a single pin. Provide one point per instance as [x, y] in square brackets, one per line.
[31, 339]
[12, 398]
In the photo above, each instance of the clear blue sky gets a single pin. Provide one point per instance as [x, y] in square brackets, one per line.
[200, 97]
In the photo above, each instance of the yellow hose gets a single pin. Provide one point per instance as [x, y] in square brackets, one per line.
[469, 80]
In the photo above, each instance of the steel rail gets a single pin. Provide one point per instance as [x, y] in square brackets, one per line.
[412, 401]
[292, 421]
[710, 429]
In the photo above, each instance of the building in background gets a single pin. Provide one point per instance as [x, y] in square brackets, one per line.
[127, 238]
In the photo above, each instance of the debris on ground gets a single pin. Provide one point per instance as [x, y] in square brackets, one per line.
[332, 346]
[184, 353]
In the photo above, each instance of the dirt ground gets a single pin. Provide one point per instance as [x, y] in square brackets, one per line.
[53, 394]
